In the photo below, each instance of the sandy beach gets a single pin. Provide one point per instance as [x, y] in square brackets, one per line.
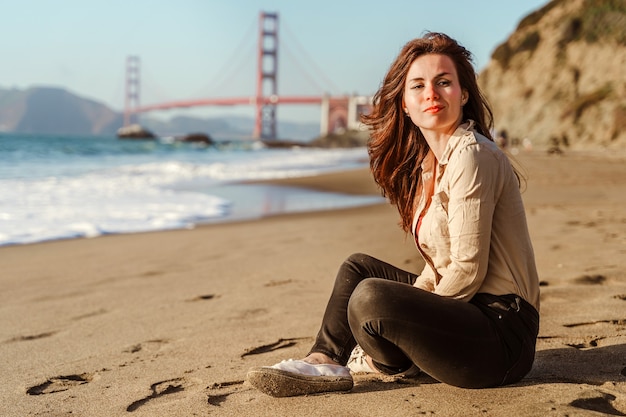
[168, 323]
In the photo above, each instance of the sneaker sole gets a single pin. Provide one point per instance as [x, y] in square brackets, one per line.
[279, 383]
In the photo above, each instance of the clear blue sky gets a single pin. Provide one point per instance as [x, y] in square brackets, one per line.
[207, 48]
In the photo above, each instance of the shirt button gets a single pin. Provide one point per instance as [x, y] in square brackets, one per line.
[424, 246]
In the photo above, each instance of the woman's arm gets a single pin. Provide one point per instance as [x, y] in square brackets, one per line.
[472, 179]
[426, 280]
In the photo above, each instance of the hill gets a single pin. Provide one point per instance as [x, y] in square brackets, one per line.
[560, 75]
[53, 110]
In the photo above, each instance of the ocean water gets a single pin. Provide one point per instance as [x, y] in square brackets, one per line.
[59, 187]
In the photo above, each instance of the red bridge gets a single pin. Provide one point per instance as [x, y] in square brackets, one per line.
[337, 112]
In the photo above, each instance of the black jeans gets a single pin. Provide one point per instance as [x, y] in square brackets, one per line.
[489, 341]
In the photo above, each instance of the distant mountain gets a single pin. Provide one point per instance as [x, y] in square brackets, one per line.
[52, 110]
[560, 76]
[55, 111]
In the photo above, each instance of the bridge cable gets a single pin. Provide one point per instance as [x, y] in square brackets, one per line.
[303, 71]
[239, 60]
[320, 73]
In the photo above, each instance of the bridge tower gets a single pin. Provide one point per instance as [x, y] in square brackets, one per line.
[132, 90]
[267, 93]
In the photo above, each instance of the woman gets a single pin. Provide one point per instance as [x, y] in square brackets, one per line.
[470, 319]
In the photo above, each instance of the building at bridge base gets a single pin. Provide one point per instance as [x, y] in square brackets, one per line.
[339, 114]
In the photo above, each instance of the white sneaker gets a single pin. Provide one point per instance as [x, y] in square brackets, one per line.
[296, 377]
[304, 368]
[358, 362]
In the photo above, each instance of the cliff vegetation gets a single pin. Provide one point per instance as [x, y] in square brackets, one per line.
[560, 76]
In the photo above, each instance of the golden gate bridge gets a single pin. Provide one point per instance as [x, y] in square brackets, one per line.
[337, 113]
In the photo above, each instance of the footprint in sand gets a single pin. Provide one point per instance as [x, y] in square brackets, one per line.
[30, 337]
[279, 344]
[60, 383]
[203, 297]
[614, 322]
[274, 283]
[144, 351]
[160, 389]
[597, 401]
[593, 342]
[590, 279]
[90, 314]
[150, 345]
[216, 396]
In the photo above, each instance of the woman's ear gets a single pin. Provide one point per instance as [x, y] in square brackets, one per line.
[404, 108]
[464, 97]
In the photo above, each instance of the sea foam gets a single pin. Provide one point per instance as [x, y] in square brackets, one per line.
[145, 194]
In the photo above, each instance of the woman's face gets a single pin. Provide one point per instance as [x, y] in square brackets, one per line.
[433, 96]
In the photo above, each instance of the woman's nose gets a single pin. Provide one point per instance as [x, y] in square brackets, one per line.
[430, 92]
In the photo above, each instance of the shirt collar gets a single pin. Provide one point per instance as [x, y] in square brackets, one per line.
[455, 139]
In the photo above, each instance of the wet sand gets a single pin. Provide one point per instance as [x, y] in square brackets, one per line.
[168, 323]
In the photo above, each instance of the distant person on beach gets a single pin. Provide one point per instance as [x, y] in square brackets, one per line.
[470, 318]
[502, 139]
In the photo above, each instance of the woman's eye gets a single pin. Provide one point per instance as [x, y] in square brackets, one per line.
[417, 86]
[444, 83]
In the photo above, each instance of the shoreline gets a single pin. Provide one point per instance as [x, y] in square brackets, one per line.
[255, 200]
[337, 190]
[169, 322]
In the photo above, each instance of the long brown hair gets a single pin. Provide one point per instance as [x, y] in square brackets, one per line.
[396, 146]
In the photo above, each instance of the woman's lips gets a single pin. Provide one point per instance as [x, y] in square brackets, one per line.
[433, 109]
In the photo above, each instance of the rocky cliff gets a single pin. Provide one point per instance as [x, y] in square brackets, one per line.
[561, 76]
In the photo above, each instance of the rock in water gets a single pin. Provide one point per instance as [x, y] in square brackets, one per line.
[134, 132]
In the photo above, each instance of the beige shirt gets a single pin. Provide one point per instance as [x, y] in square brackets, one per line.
[473, 233]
